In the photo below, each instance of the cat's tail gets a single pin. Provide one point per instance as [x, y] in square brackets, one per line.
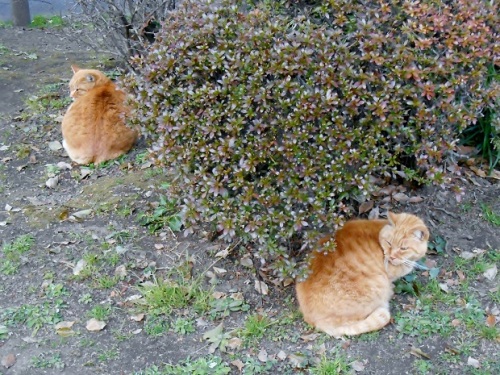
[379, 318]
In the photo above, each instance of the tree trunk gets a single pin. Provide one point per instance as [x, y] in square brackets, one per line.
[21, 12]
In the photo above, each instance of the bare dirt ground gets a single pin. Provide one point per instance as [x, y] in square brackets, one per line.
[75, 250]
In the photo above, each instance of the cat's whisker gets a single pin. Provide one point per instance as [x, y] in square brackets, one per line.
[413, 264]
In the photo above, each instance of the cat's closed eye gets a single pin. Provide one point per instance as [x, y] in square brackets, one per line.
[404, 248]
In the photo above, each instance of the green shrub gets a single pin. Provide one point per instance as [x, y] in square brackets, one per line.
[275, 123]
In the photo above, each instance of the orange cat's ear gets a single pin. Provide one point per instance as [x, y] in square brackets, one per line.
[422, 234]
[391, 217]
[75, 68]
[90, 78]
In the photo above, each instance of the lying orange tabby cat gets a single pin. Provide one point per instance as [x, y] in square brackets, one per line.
[94, 127]
[348, 290]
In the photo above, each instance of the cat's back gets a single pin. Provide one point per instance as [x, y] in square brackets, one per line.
[106, 97]
[356, 247]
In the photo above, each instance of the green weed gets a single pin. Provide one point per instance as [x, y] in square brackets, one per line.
[106, 282]
[423, 367]
[489, 215]
[12, 253]
[56, 291]
[43, 21]
[211, 365]
[22, 151]
[85, 298]
[423, 322]
[47, 360]
[489, 333]
[328, 366]
[108, 355]
[253, 366]
[7, 267]
[224, 306]
[34, 316]
[100, 312]
[255, 328]
[4, 332]
[166, 214]
[183, 326]
[163, 296]
[48, 99]
[156, 325]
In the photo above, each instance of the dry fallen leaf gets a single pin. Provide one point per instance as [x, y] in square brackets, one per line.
[246, 261]
[55, 145]
[9, 360]
[80, 265]
[491, 320]
[281, 355]
[419, 353]
[95, 325]
[82, 214]
[456, 322]
[52, 182]
[223, 253]
[400, 197]
[495, 174]
[121, 271]
[137, 318]
[238, 364]
[218, 295]
[478, 171]
[63, 165]
[365, 207]
[491, 273]
[64, 324]
[262, 356]
[310, 337]
[444, 287]
[358, 366]
[146, 165]
[219, 271]
[416, 199]
[63, 329]
[261, 287]
[84, 172]
[473, 362]
[234, 343]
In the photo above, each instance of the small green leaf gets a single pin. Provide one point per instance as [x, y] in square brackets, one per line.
[434, 272]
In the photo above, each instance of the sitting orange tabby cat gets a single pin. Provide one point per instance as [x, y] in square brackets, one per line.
[94, 127]
[348, 290]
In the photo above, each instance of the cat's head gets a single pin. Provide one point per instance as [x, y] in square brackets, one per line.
[404, 240]
[84, 80]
